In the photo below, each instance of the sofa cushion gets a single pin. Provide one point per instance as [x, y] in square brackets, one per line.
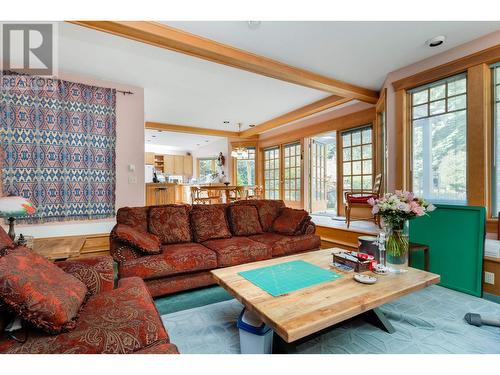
[285, 245]
[290, 221]
[238, 250]
[170, 223]
[39, 291]
[146, 242]
[136, 217]
[118, 321]
[174, 259]
[209, 222]
[244, 220]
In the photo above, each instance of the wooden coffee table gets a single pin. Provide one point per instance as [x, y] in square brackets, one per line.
[300, 315]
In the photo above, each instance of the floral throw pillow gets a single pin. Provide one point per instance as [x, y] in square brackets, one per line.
[39, 292]
[290, 221]
[244, 220]
[146, 242]
[170, 224]
[209, 222]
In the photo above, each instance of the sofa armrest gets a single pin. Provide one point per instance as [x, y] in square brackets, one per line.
[96, 273]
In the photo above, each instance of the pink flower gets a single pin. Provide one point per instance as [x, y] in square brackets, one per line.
[375, 209]
[371, 201]
[416, 208]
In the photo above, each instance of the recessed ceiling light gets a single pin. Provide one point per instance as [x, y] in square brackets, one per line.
[436, 41]
[253, 25]
[206, 140]
[154, 136]
[252, 125]
[226, 122]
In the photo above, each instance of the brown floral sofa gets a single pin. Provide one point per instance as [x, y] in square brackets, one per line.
[114, 321]
[174, 247]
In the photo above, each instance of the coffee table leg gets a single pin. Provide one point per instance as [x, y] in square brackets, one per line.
[378, 319]
[280, 346]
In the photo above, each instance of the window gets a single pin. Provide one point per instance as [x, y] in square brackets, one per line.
[272, 173]
[357, 159]
[291, 171]
[496, 140]
[318, 170]
[206, 168]
[245, 169]
[439, 125]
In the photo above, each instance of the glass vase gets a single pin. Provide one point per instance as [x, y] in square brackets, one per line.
[397, 246]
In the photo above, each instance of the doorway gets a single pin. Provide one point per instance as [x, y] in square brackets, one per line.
[323, 175]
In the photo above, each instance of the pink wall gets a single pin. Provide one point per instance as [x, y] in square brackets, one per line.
[129, 151]
[476, 45]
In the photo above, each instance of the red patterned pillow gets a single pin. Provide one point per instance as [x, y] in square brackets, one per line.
[244, 220]
[170, 224]
[136, 217]
[290, 221]
[146, 242]
[40, 292]
[209, 222]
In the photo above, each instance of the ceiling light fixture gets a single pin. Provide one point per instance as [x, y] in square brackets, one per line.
[251, 126]
[436, 41]
[226, 122]
[239, 152]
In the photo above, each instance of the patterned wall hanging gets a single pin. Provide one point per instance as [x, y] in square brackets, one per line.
[58, 139]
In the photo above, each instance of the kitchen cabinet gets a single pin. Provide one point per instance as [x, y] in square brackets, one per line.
[178, 165]
[150, 158]
[169, 165]
[188, 165]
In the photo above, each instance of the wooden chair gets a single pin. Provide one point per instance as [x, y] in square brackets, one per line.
[359, 199]
[254, 192]
[203, 196]
[236, 193]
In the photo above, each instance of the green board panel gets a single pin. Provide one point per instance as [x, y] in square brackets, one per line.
[455, 235]
[288, 277]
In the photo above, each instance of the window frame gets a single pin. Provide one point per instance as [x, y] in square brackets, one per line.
[213, 165]
[276, 172]
[235, 166]
[410, 120]
[495, 132]
[297, 168]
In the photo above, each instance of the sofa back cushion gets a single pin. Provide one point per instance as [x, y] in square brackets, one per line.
[290, 221]
[209, 222]
[146, 242]
[170, 223]
[268, 210]
[135, 217]
[244, 220]
[40, 292]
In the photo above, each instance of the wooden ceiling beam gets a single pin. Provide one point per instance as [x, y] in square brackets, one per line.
[163, 36]
[189, 129]
[297, 114]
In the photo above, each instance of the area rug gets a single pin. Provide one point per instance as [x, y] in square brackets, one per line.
[427, 321]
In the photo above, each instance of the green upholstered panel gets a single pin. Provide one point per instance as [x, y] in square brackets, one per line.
[455, 235]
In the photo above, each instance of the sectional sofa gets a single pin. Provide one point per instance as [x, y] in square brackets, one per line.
[174, 247]
[110, 320]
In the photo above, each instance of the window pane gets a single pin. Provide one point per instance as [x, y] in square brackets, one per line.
[367, 136]
[346, 140]
[356, 153]
[356, 138]
[420, 97]
[367, 151]
[356, 167]
[457, 87]
[457, 102]
[356, 182]
[367, 183]
[437, 107]
[347, 168]
[420, 111]
[439, 145]
[496, 123]
[367, 167]
[347, 153]
[438, 92]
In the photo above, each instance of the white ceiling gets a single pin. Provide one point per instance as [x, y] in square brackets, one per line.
[180, 89]
[361, 53]
[177, 141]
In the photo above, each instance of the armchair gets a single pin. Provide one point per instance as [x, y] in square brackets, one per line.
[359, 199]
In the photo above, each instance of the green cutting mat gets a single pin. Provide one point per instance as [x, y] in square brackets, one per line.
[288, 277]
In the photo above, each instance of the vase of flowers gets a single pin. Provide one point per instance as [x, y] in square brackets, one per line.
[396, 209]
